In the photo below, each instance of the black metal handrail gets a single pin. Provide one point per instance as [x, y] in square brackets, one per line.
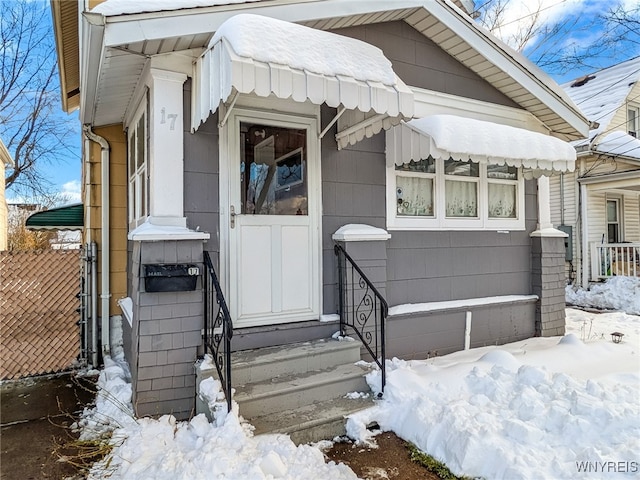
[362, 308]
[218, 327]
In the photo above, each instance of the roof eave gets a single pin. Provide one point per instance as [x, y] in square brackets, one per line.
[69, 97]
[501, 54]
[92, 58]
[119, 30]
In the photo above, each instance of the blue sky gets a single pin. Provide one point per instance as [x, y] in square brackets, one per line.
[66, 174]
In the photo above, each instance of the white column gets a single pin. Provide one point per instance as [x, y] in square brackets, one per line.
[545, 227]
[166, 161]
[544, 204]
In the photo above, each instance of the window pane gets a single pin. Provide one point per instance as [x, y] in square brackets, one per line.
[462, 169]
[273, 170]
[632, 116]
[140, 132]
[461, 199]
[414, 196]
[132, 155]
[427, 165]
[612, 211]
[143, 194]
[502, 201]
[502, 171]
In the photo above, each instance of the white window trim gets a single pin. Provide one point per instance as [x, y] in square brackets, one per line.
[136, 215]
[636, 109]
[440, 221]
[619, 212]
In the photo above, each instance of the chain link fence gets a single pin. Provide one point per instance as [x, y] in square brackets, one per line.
[39, 330]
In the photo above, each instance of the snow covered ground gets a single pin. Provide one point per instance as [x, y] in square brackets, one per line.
[561, 407]
[617, 293]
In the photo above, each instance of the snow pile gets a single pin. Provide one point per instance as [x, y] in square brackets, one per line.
[166, 449]
[113, 402]
[539, 408]
[618, 293]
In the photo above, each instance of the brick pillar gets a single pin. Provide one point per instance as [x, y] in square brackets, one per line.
[548, 283]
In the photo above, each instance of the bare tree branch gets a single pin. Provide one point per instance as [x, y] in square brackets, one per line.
[567, 44]
[31, 124]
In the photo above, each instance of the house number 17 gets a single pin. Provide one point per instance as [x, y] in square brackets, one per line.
[171, 116]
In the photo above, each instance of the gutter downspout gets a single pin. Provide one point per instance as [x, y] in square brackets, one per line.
[92, 253]
[104, 210]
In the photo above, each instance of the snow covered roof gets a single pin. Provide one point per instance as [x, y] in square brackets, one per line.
[266, 56]
[601, 94]
[460, 138]
[619, 144]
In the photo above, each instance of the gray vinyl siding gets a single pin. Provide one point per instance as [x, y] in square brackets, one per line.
[419, 62]
[353, 191]
[430, 266]
[431, 334]
[201, 180]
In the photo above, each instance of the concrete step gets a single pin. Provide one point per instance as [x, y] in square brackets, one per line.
[312, 423]
[252, 366]
[288, 392]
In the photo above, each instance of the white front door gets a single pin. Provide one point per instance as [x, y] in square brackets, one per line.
[274, 274]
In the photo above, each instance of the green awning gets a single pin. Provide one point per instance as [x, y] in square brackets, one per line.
[69, 217]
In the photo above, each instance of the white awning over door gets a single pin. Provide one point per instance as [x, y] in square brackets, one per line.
[264, 56]
[460, 138]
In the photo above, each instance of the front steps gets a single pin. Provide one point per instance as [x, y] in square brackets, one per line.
[299, 389]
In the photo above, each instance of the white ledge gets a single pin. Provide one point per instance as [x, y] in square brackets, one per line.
[549, 232]
[358, 232]
[148, 232]
[409, 308]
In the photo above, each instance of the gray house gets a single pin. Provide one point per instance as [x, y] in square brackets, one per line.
[251, 138]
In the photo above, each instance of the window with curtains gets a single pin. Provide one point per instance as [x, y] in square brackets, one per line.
[451, 194]
[137, 167]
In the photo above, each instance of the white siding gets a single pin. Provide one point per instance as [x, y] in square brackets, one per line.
[569, 203]
[619, 120]
[631, 217]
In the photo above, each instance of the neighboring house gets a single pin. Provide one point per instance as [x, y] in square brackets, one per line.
[261, 140]
[66, 221]
[599, 203]
[5, 161]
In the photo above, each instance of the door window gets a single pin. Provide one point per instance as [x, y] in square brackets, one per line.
[273, 170]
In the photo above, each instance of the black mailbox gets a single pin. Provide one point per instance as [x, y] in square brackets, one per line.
[170, 277]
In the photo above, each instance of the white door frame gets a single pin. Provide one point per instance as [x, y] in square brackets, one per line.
[298, 116]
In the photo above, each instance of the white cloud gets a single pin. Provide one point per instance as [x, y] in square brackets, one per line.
[71, 192]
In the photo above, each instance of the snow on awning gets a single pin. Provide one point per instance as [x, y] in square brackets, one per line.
[460, 138]
[265, 56]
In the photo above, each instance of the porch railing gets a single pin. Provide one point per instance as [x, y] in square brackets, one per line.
[362, 308]
[218, 327]
[614, 259]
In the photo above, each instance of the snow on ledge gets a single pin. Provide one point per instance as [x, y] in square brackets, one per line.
[549, 232]
[409, 308]
[126, 305]
[150, 232]
[357, 232]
